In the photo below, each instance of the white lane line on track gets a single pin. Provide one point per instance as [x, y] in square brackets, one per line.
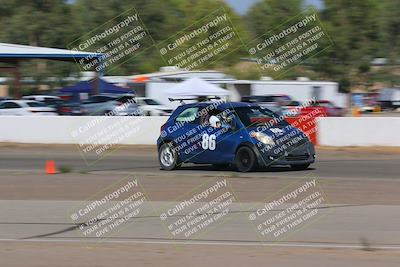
[208, 243]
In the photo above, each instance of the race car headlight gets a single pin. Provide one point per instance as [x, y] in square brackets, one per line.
[263, 138]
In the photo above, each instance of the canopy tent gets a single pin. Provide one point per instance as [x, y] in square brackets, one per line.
[14, 54]
[196, 87]
[86, 87]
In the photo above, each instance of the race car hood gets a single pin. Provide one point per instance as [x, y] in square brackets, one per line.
[288, 135]
[276, 131]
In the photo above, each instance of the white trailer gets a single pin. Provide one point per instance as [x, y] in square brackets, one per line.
[298, 90]
[390, 98]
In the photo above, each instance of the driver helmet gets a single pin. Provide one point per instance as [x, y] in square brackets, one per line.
[214, 121]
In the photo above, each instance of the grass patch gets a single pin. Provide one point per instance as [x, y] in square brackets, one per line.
[65, 169]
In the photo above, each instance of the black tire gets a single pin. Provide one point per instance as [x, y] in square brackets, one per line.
[300, 167]
[168, 157]
[245, 159]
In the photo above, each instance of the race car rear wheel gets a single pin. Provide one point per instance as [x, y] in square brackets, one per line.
[168, 157]
[300, 167]
[245, 159]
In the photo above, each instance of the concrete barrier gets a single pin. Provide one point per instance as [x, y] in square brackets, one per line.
[76, 130]
[367, 131]
[383, 131]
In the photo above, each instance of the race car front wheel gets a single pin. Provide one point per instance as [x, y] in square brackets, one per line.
[245, 159]
[168, 157]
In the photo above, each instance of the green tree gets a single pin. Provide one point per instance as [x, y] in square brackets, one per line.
[355, 28]
[163, 19]
[390, 28]
[269, 14]
[38, 23]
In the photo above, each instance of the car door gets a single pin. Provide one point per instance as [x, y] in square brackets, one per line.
[217, 145]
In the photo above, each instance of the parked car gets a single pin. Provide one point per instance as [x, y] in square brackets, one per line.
[151, 107]
[244, 135]
[50, 100]
[329, 108]
[291, 109]
[25, 107]
[71, 108]
[272, 102]
[112, 105]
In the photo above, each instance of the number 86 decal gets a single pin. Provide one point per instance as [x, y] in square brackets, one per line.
[208, 141]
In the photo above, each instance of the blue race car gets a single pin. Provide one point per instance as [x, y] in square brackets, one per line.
[245, 135]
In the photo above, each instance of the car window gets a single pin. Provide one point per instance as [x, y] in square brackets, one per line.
[266, 99]
[52, 101]
[293, 103]
[125, 99]
[326, 105]
[188, 115]
[36, 104]
[98, 99]
[10, 105]
[102, 99]
[284, 98]
[254, 116]
[150, 102]
[314, 103]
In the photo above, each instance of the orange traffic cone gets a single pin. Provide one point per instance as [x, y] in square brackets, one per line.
[50, 167]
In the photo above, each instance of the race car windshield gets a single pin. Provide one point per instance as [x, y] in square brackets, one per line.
[256, 116]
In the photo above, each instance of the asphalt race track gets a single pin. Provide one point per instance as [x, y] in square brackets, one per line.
[333, 163]
[358, 221]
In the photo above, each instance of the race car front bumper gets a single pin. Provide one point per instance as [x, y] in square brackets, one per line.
[301, 155]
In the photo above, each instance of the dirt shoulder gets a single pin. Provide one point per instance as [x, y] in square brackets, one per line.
[121, 255]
